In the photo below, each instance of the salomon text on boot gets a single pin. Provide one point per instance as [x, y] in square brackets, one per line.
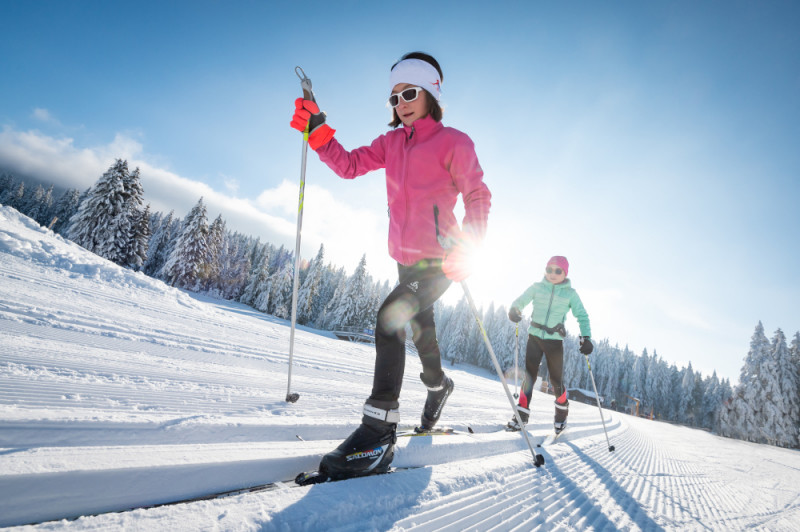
[370, 448]
[438, 392]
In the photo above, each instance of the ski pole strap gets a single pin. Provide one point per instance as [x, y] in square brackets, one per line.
[558, 329]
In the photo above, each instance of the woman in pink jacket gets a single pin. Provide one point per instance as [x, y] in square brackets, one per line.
[427, 166]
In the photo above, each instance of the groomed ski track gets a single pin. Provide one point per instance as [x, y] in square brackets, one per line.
[118, 391]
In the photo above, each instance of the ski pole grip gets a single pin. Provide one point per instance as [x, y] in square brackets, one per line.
[305, 84]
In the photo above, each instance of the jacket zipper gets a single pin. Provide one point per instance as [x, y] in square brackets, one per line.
[550, 305]
[405, 198]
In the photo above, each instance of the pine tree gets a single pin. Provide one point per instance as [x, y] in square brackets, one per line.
[353, 309]
[14, 196]
[258, 280]
[687, 397]
[794, 367]
[159, 244]
[332, 284]
[783, 394]
[209, 278]
[7, 182]
[109, 217]
[459, 330]
[64, 208]
[745, 417]
[309, 290]
[187, 260]
[140, 239]
[38, 204]
[235, 266]
[280, 297]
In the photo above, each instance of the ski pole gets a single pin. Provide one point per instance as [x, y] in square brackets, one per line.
[538, 459]
[516, 361]
[597, 399]
[308, 94]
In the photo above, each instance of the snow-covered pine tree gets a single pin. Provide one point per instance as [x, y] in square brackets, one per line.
[309, 291]
[187, 260]
[794, 366]
[744, 418]
[140, 239]
[782, 394]
[456, 344]
[14, 196]
[349, 304]
[234, 266]
[332, 284]
[686, 400]
[280, 296]
[209, 277]
[256, 293]
[93, 225]
[38, 205]
[7, 182]
[710, 402]
[662, 389]
[105, 223]
[64, 208]
[160, 243]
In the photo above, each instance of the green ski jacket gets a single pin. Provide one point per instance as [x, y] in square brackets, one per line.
[551, 302]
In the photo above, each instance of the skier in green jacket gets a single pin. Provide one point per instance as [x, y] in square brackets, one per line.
[552, 298]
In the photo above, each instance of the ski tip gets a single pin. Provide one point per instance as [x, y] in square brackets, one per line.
[469, 429]
[311, 477]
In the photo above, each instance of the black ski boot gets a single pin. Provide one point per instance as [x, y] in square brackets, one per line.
[524, 414]
[562, 411]
[369, 449]
[437, 397]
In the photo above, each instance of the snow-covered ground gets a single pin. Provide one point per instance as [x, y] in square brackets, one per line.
[118, 391]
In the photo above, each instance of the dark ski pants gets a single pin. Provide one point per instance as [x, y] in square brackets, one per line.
[410, 303]
[553, 350]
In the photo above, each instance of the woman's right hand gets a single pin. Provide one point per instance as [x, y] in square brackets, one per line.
[308, 115]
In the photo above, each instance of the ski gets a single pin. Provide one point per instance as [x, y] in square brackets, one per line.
[417, 431]
[552, 438]
[315, 476]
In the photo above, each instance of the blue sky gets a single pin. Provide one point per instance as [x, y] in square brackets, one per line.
[652, 143]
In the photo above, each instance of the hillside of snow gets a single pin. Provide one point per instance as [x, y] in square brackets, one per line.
[118, 391]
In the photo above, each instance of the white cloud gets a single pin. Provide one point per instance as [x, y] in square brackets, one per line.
[43, 115]
[231, 184]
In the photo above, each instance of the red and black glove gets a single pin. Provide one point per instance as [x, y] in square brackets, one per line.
[308, 115]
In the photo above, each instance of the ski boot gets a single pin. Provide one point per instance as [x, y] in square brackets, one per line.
[369, 449]
[562, 411]
[514, 425]
[437, 397]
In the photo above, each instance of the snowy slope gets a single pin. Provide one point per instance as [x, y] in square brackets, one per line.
[118, 391]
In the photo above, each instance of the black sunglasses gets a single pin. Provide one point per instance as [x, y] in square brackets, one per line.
[557, 271]
[408, 95]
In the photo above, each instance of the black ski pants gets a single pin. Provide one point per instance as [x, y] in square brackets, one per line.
[410, 303]
[553, 350]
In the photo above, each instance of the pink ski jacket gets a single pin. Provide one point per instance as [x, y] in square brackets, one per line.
[427, 165]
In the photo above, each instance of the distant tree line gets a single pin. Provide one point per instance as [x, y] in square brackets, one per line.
[111, 220]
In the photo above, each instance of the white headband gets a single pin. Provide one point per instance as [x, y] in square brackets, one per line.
[419, 73]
